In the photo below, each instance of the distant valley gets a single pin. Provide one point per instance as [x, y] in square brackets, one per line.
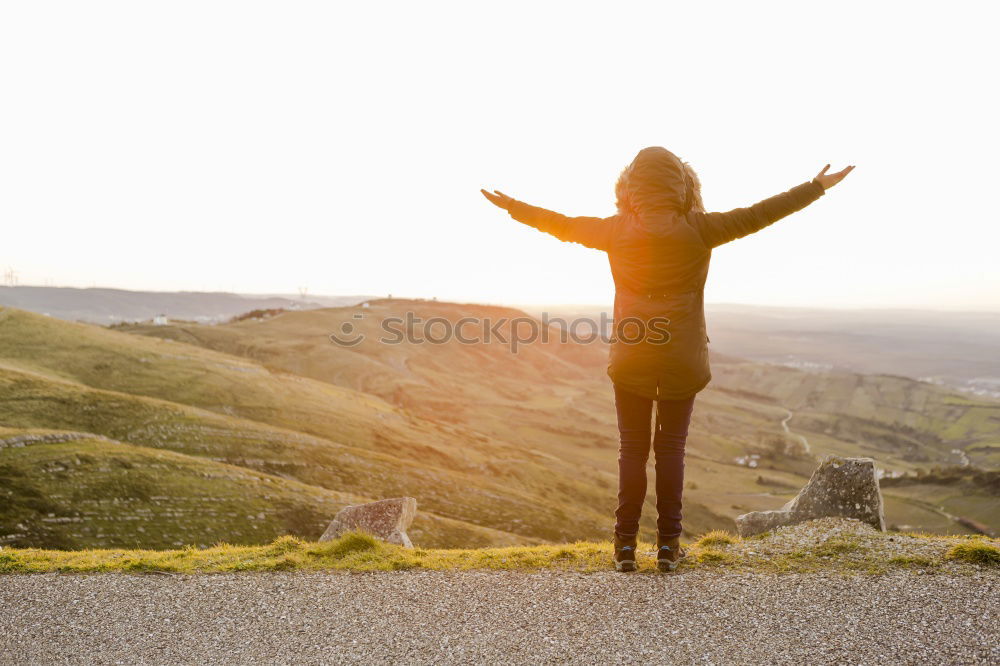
[958, 349]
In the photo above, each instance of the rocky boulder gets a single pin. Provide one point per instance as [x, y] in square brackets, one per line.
[839, 488]
[386, 519]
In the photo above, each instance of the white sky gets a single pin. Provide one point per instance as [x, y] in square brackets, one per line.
[259, 147]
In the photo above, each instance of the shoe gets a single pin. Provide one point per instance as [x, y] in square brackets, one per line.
[669, 554]
[624, 557]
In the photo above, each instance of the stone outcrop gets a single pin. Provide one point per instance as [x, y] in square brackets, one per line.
[27, 439]
[386, 519]
[840, 488]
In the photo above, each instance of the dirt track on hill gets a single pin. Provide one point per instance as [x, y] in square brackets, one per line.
[500, 617]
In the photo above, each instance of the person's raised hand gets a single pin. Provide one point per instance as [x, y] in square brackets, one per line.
[498, 198]
[828, 180]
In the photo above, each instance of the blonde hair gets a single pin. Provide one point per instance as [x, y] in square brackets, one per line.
[697, 205]
[651, 183]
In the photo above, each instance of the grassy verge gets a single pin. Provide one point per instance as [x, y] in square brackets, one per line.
[361, 552]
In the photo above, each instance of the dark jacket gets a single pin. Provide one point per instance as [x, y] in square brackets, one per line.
[659, 245]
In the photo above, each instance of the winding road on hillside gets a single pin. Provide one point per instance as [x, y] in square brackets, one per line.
[500, 617]
[784, 425]
[957, 520]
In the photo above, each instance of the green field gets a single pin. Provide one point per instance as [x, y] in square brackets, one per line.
[498, 448]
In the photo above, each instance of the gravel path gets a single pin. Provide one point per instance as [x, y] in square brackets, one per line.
[501, 617]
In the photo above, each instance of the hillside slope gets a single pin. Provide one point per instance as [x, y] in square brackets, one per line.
[901, 421]
[52, 369]
[512, 446]
[555, 398]
[64, 489]
[560, 388]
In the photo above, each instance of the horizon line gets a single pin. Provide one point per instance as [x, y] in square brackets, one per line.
[984, 309]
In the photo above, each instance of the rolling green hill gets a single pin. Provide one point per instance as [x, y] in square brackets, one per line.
[555, 397]
[75, 490]
[65, 489]
[558, 391]
[60, 374]
[498, 447]
[30, 400]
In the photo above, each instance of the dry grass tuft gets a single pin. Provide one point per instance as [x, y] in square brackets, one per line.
[717, 538]
[975, 553]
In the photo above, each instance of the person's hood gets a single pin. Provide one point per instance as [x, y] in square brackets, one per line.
[657, 184]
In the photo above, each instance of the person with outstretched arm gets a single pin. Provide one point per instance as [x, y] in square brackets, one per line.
[659, 244]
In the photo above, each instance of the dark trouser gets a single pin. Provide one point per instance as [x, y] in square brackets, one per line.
[672, 420]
